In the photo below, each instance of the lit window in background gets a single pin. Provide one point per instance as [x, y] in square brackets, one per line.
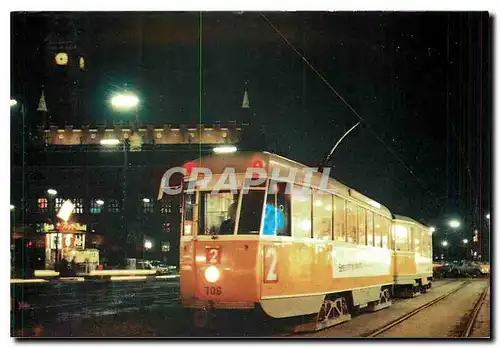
[41, 205]
[147, 205]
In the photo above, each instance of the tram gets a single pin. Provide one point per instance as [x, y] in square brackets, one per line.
[289, 246]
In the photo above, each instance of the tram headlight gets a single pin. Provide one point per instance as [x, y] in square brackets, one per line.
[212, 274]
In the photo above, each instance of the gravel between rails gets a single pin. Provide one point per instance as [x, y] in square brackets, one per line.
[369, 322]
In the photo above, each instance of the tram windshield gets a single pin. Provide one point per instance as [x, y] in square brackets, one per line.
[218, 212]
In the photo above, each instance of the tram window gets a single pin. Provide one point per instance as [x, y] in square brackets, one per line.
[189, 201]
[217, 213]
[401, 238]
[416, 235]
[322, 215]
[251, 211]
[369, 228]
[301, 212]
[361, 226]
[352, 228]
[386, 232]
[377, 230]
[277, 212]
[424, 242]
[339, 218]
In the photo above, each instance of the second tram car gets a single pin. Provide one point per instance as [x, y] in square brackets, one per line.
[316, 251]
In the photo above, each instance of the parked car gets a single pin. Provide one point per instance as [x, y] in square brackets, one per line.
[152, 265]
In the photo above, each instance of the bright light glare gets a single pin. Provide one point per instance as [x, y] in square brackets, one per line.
[454, 224]
[146, 200]
[444, 243]
[99, 202]
[465, 241]
[225, 149]
[212, 274]
[66, 211]
[432, 229]
[52, 192]
[12, 207]
[488, 216]
[124, 101]
[148, 244]
[110, 142]
[13, 102]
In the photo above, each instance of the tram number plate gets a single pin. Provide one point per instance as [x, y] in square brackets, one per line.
[213, 290]
[213, 255]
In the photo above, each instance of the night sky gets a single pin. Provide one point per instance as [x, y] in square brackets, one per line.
[421, 81]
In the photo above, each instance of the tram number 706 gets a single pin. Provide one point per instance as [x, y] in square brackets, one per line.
[213, 290]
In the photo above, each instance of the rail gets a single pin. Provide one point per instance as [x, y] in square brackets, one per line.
[414, 312]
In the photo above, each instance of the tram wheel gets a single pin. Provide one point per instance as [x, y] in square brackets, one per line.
[333, 311]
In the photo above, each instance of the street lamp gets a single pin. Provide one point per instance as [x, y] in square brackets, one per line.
[99, 202]
[432, 229]
[12, 207]
[123, 101]
[126, 101]
[488, 216]
[52, 192]
[225, 149]
[146, 200]
[444, 243]
[110, 142]
[454, 223]
[13, 102]
[148, 244]
[465, 241]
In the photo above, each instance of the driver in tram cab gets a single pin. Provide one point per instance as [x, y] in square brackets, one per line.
[227, 226]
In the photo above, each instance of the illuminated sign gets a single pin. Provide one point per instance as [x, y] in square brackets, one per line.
[66, 210]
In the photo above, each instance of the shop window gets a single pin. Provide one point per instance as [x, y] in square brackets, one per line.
[339, 218]
[41, 204]
[277, 211]
[322, 215]
[301, 212]
[361, 226]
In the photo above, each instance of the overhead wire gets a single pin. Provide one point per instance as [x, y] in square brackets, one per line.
[342, 99]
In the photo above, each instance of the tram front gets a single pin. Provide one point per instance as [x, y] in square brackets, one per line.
[219, 243]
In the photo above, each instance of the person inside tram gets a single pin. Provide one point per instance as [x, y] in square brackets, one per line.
[227, 226]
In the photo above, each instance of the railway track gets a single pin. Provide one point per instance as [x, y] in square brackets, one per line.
[473, 316]
[407, 316]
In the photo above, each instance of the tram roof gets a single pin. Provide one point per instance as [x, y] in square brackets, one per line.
[408, 219]
[241, 161]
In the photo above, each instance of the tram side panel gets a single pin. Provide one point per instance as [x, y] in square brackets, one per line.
[298, 275]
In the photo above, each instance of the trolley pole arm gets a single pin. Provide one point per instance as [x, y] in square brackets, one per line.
[327, 159]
